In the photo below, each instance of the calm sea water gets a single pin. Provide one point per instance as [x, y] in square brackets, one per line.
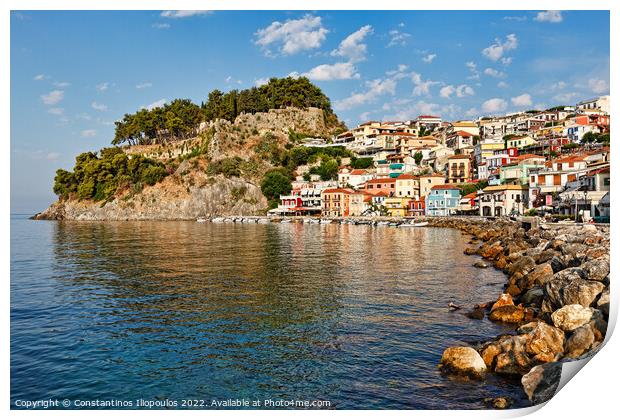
[355, 315]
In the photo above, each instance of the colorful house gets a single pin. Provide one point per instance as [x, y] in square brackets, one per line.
[443, 200]
[459, 169]
[397, 206]
[503, 200]
[336, 202]
[407, 185]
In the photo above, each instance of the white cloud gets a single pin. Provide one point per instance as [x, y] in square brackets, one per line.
[52, 156]
[352, 47]
[398, 38]
[494, 105]
[506, 60]
[376, 88]
[495, 51]
[493, 73]
[178, 14]
[565, 98]
[558, 86]
[522, 100]
[103, 86]
[516, 18]
[56, 111]
[53, 97]
[161, 25]
[446, 91]
[292, 36]
[422, 87]
[40, 77]
[471, 112]
[62, 84]
[337, 71]
[98, 106]
[144, 85]
[474, 74]
[88, 133]
[464, 90]
[157, 104]
[502, 84]
[598, 86]
[400, 73]
[551, 16]
[260, 82]
[429, 58]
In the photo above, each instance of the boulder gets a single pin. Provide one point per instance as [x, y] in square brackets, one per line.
[503, 300]
[513, 290]
[463, 361]
[499, 403]
[520, 268]
[533, 297]
[545, 256]
[602, 304]
[597, 269]
[508, 313]
[492, 251]
[557, 264]
[571, 317]
[470, 251]
[512, 358]
[481, 264]
[567, 287]
[545, 343]
[580, 341]
[476, 313]
[541, 382]
[538, 276]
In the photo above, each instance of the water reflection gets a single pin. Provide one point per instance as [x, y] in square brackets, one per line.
[351, 314]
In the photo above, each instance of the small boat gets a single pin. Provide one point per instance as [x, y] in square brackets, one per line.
[285, 221]
[325, 221]
[421, 224]
[201, 220]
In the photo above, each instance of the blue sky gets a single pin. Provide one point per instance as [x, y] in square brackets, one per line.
[74, 73]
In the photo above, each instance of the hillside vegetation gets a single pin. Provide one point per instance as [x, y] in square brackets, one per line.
[222, 165]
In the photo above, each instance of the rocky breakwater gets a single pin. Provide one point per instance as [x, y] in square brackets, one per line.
[556, 296]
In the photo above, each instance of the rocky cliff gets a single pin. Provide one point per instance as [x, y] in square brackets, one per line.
[195, 189]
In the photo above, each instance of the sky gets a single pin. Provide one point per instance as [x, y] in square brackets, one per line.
[74, 73]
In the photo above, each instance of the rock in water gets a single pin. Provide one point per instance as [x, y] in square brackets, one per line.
[508, 313]
[500, 403]
[463, 361]
[571, 317]
[541, 382]
[481, 264]
[476, 313]
[503, 300]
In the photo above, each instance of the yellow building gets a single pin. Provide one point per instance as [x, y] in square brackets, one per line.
[427, 182]
[397, 206]
[520, 142]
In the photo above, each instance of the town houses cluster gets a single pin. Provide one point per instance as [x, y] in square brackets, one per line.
[554, 161]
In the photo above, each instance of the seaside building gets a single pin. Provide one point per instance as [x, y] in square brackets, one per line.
[397, 206]
[335, 202]
[407, 185]
[443, 200]
[503, 200]
[459, 169]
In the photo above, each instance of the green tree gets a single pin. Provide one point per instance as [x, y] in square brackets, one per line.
[274, 184]
[418, 157]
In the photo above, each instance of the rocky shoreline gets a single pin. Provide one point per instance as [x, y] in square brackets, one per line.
[556, 295]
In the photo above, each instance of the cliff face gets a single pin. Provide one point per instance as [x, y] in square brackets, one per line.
[193, 190]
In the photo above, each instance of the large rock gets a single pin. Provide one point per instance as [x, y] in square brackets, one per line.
[520, 268]
[571, 317]
[541, 382]
[492, 251]
[503, 300]
[533, 297]
[508, 313]
[538, 276]
[597, 269]
[545, 343]
[602, 304]
[507, 355]
[462, 361]
[568, 287]
[580, 341]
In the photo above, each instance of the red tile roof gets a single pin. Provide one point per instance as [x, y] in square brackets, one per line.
[459, 157]
[407, 176]
[445, 187]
